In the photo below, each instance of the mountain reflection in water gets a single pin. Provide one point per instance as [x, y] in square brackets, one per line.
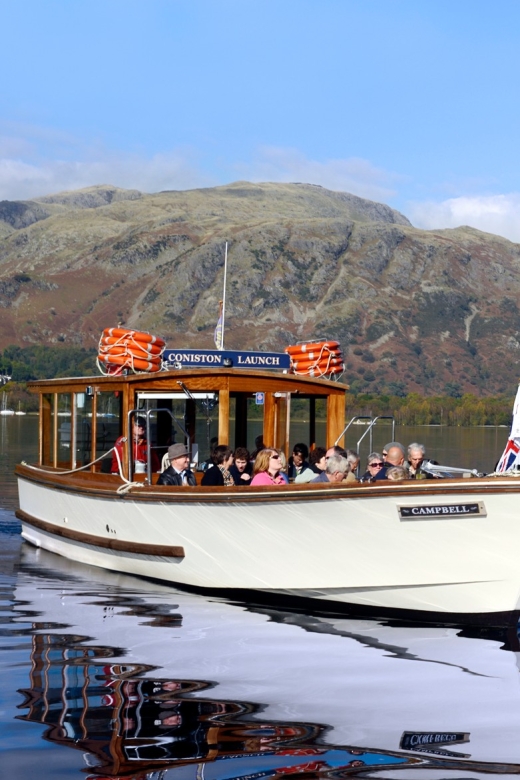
[148, 682]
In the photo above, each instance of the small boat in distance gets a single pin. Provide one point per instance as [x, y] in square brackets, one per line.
[4, 410]
[437, 549]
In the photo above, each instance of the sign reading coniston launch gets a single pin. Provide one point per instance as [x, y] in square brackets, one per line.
[214, 358]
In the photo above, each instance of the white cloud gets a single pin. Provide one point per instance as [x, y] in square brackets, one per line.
[499, 214]
[23, 178]
[351, 174]
[27, 171]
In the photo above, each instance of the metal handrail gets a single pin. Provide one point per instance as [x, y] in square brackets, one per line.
[147, 413]
[436, 470]
[353, 420]
[373, 421]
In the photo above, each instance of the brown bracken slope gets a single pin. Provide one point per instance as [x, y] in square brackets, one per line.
[413, 309]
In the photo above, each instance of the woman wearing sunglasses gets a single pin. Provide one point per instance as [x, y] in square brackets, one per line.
[267, 468]
[374, 465]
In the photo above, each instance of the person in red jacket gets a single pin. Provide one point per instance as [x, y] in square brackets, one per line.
[139, 448]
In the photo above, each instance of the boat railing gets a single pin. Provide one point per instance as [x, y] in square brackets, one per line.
[436, 470]
[369, 430]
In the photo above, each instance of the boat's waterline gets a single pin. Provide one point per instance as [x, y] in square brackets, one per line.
[339, 547]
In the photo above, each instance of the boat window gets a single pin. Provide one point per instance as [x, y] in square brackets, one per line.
[47, 436]
[108, 424]
[173, 417]
[165, 420]
[206, 428]
[308, 421]
[63, 425]
[82, 429]
[255, 421]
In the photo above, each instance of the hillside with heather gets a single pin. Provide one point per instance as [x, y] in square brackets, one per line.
[425, 311]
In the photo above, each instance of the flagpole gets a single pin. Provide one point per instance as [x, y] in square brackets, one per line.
[224, 298]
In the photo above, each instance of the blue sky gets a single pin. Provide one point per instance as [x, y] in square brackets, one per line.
[414, 103]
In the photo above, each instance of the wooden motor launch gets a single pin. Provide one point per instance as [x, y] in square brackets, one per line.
[439, 549]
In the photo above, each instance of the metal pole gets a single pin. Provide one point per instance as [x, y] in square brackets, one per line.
[224, 298]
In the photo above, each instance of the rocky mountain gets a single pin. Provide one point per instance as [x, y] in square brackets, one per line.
[431, 311]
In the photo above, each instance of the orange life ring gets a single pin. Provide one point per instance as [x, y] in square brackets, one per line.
[136, 334]
[131, 362]
[125, 350]
[316, 352]
[320, 372]
[337, 354]
[140, 348]
[314, 346]
[324, 363]
[126, 359]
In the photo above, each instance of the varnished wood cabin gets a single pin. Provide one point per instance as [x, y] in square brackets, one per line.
[81, 418]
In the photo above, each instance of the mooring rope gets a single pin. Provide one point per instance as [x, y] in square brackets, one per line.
[121, 489]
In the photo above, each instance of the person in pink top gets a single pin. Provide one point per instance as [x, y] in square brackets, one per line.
[267, 469]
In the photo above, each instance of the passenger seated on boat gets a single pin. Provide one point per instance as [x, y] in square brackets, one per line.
[178, 472]
[139, 447]
[242, 469]
[353, 459]
[416, 454]
[391, 444]
[394, 457]
[267, 468]
[298, 460]
[283, 466]
[336, 470]
[219, 473]
[397, 473]
[259, 445]
[317, 464]
[335, 451]
[374, 463]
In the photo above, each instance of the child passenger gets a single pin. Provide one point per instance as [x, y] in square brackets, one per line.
[242, 469]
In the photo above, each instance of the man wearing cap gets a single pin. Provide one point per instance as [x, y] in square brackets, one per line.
[178, 472]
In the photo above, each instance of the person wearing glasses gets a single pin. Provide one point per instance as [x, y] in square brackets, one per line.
[267, 467]
[374, 465]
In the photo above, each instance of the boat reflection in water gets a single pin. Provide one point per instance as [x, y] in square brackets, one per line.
[206, 689]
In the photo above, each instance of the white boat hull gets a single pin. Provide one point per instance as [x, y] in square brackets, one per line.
[347, 546]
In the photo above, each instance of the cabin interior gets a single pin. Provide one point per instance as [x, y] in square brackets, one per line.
[80, 419]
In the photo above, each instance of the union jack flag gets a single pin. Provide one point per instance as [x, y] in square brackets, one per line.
[511, 455]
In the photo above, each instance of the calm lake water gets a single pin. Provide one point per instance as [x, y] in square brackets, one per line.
[108, 676]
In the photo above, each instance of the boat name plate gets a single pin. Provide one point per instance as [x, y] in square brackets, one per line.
[204, 358]
[433, 742]
[428, 511]
[420, 739]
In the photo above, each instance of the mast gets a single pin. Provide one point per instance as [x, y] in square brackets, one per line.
[224, 298]
[219, 330]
